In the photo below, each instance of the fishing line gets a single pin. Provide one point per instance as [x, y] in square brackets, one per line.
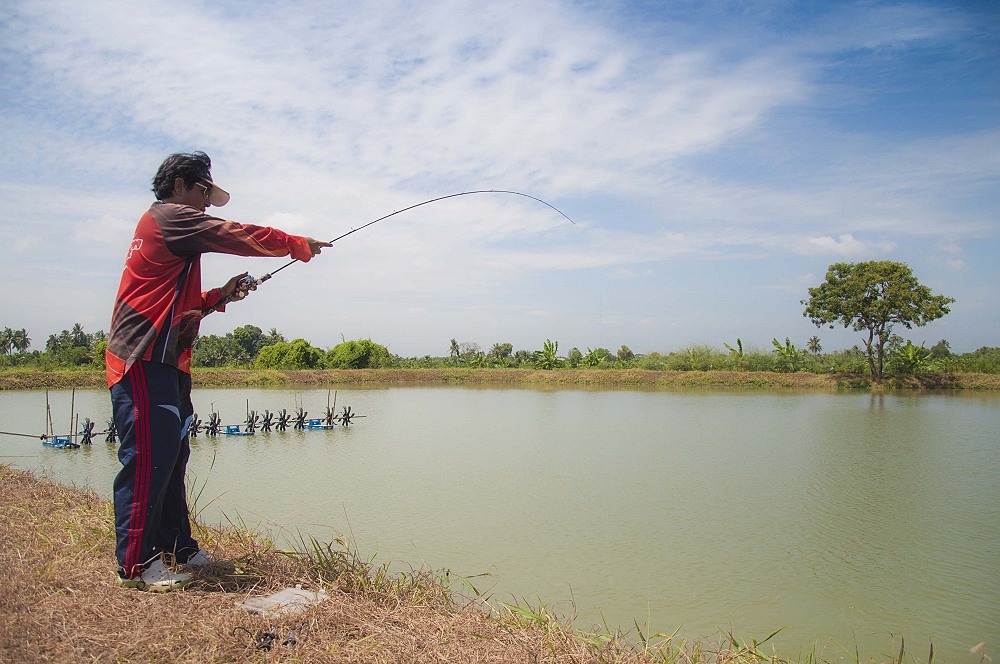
[249, 283]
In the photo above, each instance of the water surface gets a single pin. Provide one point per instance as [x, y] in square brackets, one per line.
[843, 519]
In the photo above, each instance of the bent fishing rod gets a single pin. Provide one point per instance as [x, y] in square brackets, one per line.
[249, 283]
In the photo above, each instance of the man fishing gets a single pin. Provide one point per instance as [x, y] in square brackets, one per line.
[155, 321]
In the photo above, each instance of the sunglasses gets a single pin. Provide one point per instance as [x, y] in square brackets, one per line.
[207, 188]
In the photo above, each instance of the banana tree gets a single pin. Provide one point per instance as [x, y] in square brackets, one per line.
[736, 353]
[548, 356]
[909, 359]
[595, 357]
[789, 357]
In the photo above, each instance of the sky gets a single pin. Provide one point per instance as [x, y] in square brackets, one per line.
[714, 158]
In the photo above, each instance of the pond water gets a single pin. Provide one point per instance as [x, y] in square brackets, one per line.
[845, 520]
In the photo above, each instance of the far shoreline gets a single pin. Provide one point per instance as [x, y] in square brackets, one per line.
[559, 379]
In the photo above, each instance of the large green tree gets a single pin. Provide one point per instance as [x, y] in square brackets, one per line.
[873, 296]
[238, 348]
[73, 347]
[247, 341]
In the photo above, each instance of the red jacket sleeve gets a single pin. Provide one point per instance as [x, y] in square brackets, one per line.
[188, 231]
[209, 300]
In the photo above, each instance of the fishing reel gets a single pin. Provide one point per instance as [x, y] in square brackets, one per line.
[243, 288]
[245, 285]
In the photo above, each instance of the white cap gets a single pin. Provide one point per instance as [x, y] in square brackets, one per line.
[219, 195]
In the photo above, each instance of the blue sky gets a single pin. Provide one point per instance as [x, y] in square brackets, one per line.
[716, 157]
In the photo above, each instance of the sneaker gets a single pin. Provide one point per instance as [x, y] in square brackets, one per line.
[157, 578]
[200, 559]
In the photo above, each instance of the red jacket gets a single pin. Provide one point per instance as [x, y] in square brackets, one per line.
[159, 304]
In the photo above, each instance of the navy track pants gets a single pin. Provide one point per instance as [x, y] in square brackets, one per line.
[152, 410]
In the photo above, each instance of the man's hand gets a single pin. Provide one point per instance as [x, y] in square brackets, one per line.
[231, 292]
[316, 246]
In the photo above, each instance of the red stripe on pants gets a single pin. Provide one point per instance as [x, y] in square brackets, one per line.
[143, 469]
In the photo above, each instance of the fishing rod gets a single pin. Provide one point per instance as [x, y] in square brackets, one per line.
[43, 436]
[87, 432]
[249, 283]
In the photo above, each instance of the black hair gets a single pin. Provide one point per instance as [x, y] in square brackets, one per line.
[193, 167]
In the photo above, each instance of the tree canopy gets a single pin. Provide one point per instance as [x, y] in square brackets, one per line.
[296, 354]
[873, 296]
[238, 348]
[359, 354]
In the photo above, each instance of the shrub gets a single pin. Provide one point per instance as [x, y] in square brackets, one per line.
[297, 354]
[360, 354]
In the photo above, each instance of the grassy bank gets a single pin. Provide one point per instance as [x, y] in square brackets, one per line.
[27, 379]
[59, 602]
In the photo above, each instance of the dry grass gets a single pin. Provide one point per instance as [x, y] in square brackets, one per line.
[59, 602]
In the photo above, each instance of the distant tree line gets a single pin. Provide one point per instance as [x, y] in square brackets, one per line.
[903, 358]
[70, 348]
[249, 347]
[870, 297]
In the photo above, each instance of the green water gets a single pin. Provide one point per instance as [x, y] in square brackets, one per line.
[845, 520]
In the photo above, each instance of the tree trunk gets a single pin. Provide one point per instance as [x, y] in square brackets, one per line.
[870, 356]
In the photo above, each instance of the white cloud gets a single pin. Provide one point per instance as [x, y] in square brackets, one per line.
[843, 246]
[286, 221]
[955, 264]
[623, 274]
[107, 230]
[704, 138]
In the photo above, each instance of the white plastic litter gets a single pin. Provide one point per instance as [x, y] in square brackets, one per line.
[283, 602]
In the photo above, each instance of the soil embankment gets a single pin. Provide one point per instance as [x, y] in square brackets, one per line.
[29, 379]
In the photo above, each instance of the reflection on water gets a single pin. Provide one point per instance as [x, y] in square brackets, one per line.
[843, 519]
